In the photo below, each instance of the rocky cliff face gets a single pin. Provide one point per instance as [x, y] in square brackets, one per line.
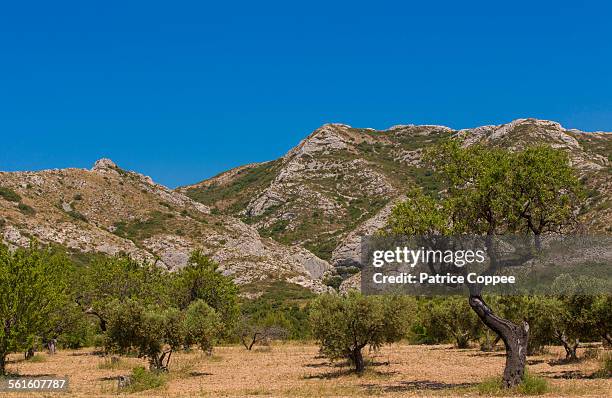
[286, 219]
[110, 210]
[340, 183]
[326, 187]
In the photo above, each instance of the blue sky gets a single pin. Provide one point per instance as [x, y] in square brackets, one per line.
[184, 90]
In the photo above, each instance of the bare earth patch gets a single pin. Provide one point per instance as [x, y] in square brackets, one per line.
[297, 370]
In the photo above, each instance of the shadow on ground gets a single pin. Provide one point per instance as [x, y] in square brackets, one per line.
[406, 386]
[198, 374]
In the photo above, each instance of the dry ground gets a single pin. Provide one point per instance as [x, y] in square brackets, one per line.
[298, 370]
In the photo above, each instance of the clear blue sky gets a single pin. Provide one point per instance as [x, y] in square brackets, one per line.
[183, 90]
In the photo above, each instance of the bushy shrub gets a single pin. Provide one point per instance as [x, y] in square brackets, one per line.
[142, 380]
[531, 385]
[344, 325]
[605, 367]
[283, 305]
[25, 209]
[9, 194]
[77, 216]
[154, 333]
[261, 331]
[450, 318]
[201, 280]
[202, 325]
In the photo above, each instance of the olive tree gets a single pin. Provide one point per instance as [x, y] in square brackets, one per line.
[601, 314]
[106, 279]
[344, 325]
[252, 330]
[449, 318]
[577, 316]
[32, 287]
[545, 191]
[200, 279]
[155, 332]
[202, 326]
[490, 192]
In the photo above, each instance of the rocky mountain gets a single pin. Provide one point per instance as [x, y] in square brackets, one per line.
[110, 210]
[326, 187]
[340, 183]
[299, 218]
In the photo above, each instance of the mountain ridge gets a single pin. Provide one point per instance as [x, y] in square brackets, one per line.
[381, 158]
[298, 218]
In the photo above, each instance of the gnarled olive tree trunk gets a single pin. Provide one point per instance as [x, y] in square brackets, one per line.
[356, 358]
[515, 338]
[570, 346]
[2, 364]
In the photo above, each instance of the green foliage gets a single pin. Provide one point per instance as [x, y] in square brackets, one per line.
[540, 312]
[281, 291]
[261, 315]
[322, 249]
[281, 305]
[531, 385]
[77, 216]
[106, 279]
[601, 316]
[449, 318]
[154, 333]
[75, 329]
[238, 192]
[262, 329]
[605, 367]
[26, 209]
[202, 325]
[33, 285]
[38, 358]
[9, 194]
[344, 325]
[112, 363]
[579, 316]
[477, 180]
[491, 190]
[142, 229]
[545, 189]
[491, 386]
[142, 380]
[200, 279]
[333, 281]
[426, 179]
[276, 228]
[419, 215]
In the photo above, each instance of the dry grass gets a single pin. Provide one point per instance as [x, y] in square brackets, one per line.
[296, 370]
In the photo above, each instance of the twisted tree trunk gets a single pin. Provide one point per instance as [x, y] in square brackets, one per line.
[357, 358]
[29, 353]
[515, 338]
[488, 345]
[2, 364]
[570, 347]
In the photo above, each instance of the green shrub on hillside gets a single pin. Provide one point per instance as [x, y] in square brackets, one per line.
[9, 194]
[25, 209]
